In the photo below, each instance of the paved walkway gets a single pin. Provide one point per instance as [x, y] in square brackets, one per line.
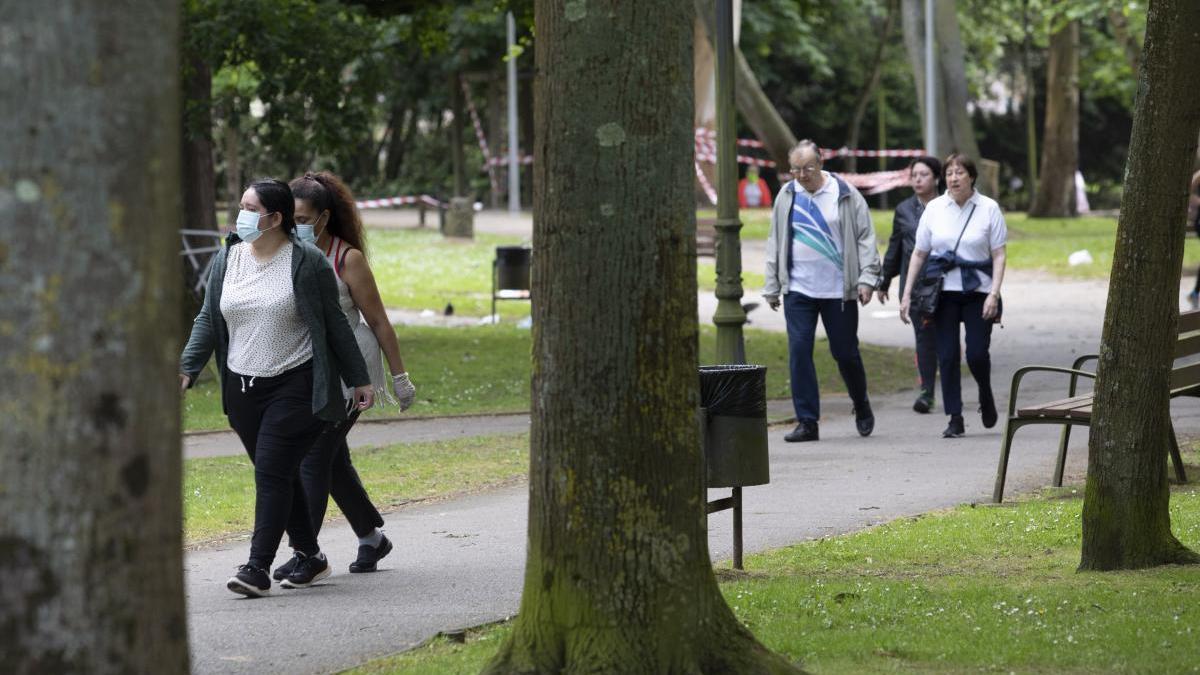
[460, 563]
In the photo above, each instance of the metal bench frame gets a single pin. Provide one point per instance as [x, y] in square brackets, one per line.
[1187, 344]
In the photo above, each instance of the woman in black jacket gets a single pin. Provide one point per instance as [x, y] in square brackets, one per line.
[924, 177]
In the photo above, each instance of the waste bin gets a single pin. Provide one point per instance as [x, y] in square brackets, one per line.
[734, 399]
[512, 268]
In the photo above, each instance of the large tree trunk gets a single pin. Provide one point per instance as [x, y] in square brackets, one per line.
[1126, 523]
[954, 132]
[752, 102]
[617, 577]
[90, 503]
[868, 90]
[1055, 196]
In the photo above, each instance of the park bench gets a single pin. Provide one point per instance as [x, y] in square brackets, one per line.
[1076, 408]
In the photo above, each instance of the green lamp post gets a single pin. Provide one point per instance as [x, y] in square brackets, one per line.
[729, 317]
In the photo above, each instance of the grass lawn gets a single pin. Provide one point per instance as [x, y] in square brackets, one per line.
[218, 497]
[486, 369]
[987, 589]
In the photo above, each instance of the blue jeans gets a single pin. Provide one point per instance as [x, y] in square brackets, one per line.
[955, 307]
[841, 326]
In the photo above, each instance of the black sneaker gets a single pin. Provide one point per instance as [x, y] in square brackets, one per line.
[286, 568]
[955, 429]
[309, 570]
[805, 431]
[864, 420]
[250, 581]
[924, 402]
[987, 409]
[369, 555]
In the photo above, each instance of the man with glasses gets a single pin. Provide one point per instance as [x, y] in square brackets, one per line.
[821, 258]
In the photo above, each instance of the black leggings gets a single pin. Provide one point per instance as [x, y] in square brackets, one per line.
[274, 419]
[327, 472]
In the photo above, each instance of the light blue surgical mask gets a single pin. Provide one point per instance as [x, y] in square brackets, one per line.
[247, 225]
[307, 231]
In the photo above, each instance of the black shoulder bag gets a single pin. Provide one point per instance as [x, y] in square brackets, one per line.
[923, 299]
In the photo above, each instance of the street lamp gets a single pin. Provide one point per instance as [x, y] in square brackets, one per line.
[729, 317]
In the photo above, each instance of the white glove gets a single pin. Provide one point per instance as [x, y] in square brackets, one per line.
[404, 390]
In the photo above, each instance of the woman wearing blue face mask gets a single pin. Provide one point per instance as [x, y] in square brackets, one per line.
[283, 347]
[327, 217]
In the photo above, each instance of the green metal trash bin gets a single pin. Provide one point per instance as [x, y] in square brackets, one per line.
[734, 399]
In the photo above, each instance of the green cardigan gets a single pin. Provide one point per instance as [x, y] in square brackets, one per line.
[335, 352]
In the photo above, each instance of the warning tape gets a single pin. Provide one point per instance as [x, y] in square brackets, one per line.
[384, 202]
[479, 135]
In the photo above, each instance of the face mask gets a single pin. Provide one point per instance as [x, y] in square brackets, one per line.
[307, 231]
[247, 225]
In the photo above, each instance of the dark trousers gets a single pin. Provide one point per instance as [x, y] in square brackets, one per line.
[927, 354]
[273, 417]
[841, 326]
[327, 472]
[956, 308]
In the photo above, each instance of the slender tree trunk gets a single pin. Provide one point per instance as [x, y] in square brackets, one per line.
[403, 117]
[617, 577]
[1031, 157]
[199, 184]
[231, 145]
[495, 133]
[868, 90]
[954, 131]
[752, 102]
[90, 501]
[1055, 196]
[1126, 523]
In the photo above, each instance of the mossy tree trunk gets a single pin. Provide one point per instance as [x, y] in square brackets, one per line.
[1055, 197]
[1126, 523]
[90, 498]
[618, 577]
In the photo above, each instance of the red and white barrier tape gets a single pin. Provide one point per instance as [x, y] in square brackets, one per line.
[710, 136]
[479, 135]
[503, 161]
[826, 153]
[711, 158]
[384, 202]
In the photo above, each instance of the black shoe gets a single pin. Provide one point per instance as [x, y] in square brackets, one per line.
[286, 568]
[955, 429]
[805, 431]
[309, 570]
[924, 402]
[369, 555]
[250, 581]
[987, 410]
[864, 420]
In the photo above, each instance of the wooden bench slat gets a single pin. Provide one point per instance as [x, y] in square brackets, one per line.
[1189, 321]
[1061, 408]
[1188, 344]
[1185, 377]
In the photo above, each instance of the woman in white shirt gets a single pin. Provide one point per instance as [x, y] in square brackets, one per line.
[283, 349]
[963, 236]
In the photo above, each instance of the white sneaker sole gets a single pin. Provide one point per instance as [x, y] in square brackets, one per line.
[287, 583]
[238, 586]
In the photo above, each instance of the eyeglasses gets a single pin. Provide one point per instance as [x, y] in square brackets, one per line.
[802, 170]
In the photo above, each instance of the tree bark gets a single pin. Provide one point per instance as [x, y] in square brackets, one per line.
[90, 495]
[954, 131]
[868, 90]
[618, 577]
[199, 184]
[752, 102]
[1126, 523]
[1055, 196]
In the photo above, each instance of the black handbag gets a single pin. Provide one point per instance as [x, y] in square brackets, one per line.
[923, 298]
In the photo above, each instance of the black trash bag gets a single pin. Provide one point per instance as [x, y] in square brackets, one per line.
[734, 391]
